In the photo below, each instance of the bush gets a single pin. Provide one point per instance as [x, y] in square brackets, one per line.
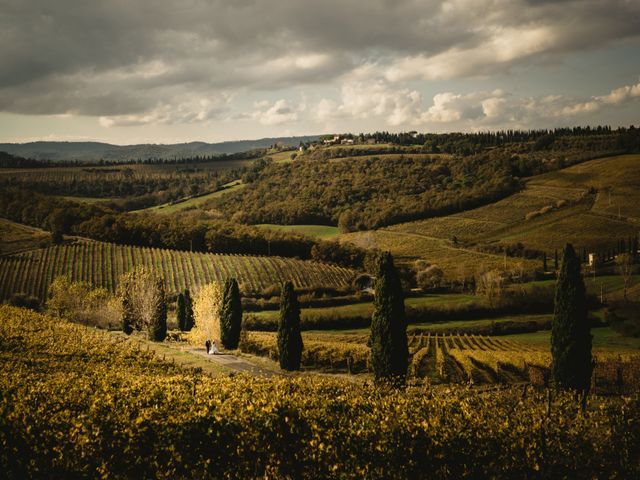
[25, 301]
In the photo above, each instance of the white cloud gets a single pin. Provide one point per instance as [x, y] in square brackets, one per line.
[278, 113]
[468, 111]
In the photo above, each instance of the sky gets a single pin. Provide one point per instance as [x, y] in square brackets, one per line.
[159, 71]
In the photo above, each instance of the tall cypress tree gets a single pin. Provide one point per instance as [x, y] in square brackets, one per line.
[181, 313]
[188, 306]
[158, 327]
[230, 315]
[289, 336]
[388, 341]
[570, 330]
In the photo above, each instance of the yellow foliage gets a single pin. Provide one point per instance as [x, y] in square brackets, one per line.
[206, 313]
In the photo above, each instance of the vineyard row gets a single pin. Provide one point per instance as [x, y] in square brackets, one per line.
[101, 264]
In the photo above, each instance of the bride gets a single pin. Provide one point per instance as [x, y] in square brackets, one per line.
[214, 348]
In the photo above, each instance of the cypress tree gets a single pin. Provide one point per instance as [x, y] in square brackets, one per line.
[230, 315]
[388, 341]
[158, 327]
[570, 330]
[181, 313]
[289, 337]
[188, 305]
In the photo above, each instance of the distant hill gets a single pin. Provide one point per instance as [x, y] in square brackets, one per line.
[96, 151]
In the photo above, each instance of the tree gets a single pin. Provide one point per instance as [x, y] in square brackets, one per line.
[230, 315]
[158, 321]
[388, 340]
[626, 269]
[570, 331]
[206, 312]
[555, 260]
[144, 306]
[181, 312]
[490, 283]
[188, 305]
[544, 261]
[289, 337]
[430, 277]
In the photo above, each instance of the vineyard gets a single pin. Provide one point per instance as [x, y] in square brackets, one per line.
[101, 264]
[78, 402]
[461, 359]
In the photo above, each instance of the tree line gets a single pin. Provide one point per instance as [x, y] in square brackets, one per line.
[183, 232]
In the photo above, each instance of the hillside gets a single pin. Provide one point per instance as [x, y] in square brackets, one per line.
[578, 204]
[15, 237]
[368, 191]
[369, 186]
[101, 264]
[95, 151]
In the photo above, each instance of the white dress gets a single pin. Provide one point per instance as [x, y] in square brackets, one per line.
[214, 349]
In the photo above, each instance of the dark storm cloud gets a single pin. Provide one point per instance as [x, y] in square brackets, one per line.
[122, 57]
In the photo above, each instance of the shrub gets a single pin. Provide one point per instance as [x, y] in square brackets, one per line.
[23, 300]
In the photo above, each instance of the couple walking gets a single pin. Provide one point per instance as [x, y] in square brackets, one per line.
[212, 348]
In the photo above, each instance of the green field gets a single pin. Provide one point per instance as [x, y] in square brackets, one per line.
[101, 264]
[365, 309]
[317, 231]
[174, 207]
[603, 338]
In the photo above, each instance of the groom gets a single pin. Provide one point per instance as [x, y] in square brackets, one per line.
[208, 345]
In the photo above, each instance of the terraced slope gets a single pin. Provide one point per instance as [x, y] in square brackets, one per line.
[101, 264]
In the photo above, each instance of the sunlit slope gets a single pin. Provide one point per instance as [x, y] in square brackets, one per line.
[591, 205]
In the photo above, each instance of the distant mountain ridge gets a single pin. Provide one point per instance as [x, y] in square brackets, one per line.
[96, 151]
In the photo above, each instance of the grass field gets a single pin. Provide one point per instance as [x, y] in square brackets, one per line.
[455, 261]
[15, 237]
[101, 264]
[170, 208]
[324, 232]
[282, 157]
[603, 338]
[365, 309]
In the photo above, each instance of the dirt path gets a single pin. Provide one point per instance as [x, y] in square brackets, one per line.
[233, 362]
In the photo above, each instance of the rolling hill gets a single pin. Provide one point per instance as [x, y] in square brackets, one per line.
[95, 151]
[592, 205]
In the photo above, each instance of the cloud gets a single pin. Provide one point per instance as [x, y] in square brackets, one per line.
[151, 61]
[278, 113]
[466, 111]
